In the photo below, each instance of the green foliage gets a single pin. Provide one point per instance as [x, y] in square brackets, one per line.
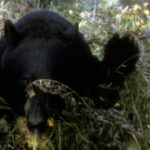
[4, 105]
[98, 24]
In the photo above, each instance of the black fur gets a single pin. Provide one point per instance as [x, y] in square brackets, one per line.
[42, 44]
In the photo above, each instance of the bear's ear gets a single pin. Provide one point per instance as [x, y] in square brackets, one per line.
[11, 33]
[9, 29]
[72, 33]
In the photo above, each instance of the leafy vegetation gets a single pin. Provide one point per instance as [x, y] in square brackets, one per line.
[98, 21]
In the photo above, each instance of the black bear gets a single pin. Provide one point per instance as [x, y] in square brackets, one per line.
[44, 45]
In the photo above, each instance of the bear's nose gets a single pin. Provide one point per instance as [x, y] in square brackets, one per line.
[36, 123]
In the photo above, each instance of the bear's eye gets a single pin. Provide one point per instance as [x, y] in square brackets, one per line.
[25, 80]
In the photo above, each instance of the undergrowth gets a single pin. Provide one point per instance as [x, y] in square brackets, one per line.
[131, 114]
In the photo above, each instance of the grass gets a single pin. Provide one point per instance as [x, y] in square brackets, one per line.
[128, 128]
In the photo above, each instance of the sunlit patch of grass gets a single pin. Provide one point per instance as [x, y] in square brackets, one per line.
[32, 139]
[136, 103]
[135, 98]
